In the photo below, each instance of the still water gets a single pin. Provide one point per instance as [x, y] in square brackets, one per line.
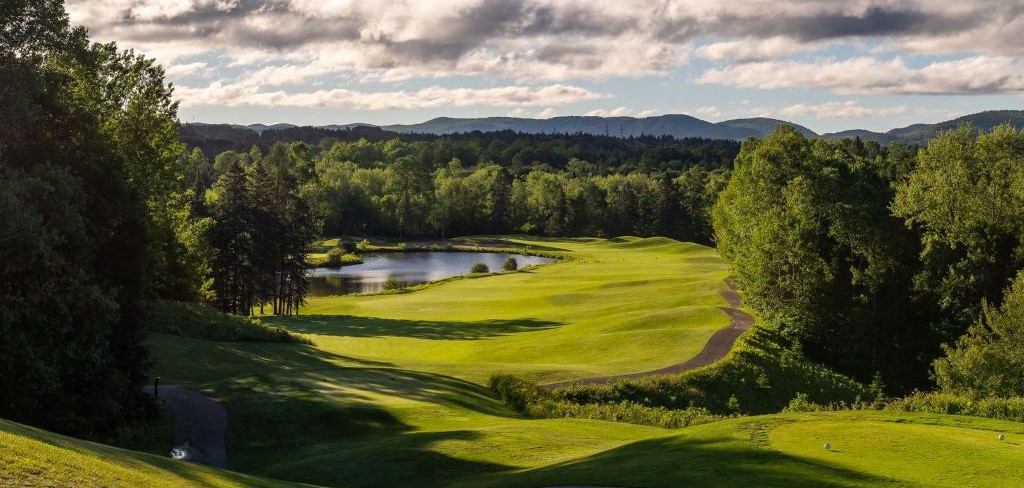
[409, 268]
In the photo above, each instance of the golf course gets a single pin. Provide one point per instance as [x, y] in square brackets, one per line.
[391, 392]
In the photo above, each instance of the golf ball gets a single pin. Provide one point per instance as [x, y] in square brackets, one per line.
[1002, 437]
[828, 446]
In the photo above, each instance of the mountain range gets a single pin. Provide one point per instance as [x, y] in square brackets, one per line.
[676, 125]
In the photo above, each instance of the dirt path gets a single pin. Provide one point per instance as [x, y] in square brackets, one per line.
[716, 348]
[199, 420]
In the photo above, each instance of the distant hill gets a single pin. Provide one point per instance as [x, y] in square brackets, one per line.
[223, 136]
[919, 134]
[675, 125]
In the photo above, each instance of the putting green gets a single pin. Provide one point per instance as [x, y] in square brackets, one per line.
[931, 455]
[616, 306]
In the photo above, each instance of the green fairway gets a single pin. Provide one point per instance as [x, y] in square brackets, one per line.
[390, 393]
[616, 306]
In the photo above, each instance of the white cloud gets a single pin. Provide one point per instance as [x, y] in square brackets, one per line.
[647, 113]
[867, 75]
[751, 49]
[547, 113]
[844, 110]
[615, 112]
[176, 71]
[221, 93]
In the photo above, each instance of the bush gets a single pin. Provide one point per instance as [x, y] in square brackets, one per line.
[348, 246]
[953, 404]
[480, 268]
[202, 322]
[392, 283]
[335, 257]
[517, 393]
[536, 402]
[510, 264]
[628, 412]
[364, 245]
[763, 374]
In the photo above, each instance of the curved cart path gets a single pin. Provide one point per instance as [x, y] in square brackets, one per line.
[199, 420]
[717, 347]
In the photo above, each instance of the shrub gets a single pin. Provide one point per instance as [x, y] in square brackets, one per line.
[536, 402]
[510, 264]
[335, 257]
[953, 404]
[392, 283]
[517, 393]
[480, 268]
[364, 245]
[348, 246]
[761, 375]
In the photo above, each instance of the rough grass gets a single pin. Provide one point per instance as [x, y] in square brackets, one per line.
[202, 322]
[32, 457]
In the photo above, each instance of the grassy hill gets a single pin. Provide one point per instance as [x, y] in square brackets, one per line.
[33, 457]
[390, 393]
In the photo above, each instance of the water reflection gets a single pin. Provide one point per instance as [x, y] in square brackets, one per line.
[408, 268]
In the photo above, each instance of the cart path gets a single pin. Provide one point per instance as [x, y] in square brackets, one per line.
[717, 347]
[199, 420]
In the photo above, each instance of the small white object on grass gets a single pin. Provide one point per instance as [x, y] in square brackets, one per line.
[828, 446]
[1002, 437]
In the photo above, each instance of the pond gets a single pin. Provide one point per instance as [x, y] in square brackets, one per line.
[409, 268]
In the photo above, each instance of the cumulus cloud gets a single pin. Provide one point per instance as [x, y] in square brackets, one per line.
[222, 93]
[281, 48]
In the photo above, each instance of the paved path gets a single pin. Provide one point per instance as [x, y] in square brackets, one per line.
[717, 347]
[198, 419]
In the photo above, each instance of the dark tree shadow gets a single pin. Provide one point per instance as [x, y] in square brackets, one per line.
[687, 461]
[351, 326]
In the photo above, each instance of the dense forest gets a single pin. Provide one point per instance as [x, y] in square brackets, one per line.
[874, 260]
[423, 190]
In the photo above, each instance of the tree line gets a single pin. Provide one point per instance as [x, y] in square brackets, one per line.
[877, 260]
[389, 188]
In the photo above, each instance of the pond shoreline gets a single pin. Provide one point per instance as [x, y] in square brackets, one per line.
[408, 267]
[449, 246]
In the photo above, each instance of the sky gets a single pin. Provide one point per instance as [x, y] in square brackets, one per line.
[827, 65]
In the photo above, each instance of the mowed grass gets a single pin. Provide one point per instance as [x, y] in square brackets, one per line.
[615, 306]
[787, 450]
[33, 457]
[391, 393]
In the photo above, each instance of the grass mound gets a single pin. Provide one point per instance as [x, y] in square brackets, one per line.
[202, 322]
[33, 457]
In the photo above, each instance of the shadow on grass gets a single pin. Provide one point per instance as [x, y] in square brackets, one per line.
[295, 413]
[351, 326]
[683, 461]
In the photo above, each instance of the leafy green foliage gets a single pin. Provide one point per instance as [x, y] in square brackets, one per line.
[480, 268]
[510, 264]
[762, 374]
[806, 227]
[965, 198]
[989, 359]
[89, 188]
